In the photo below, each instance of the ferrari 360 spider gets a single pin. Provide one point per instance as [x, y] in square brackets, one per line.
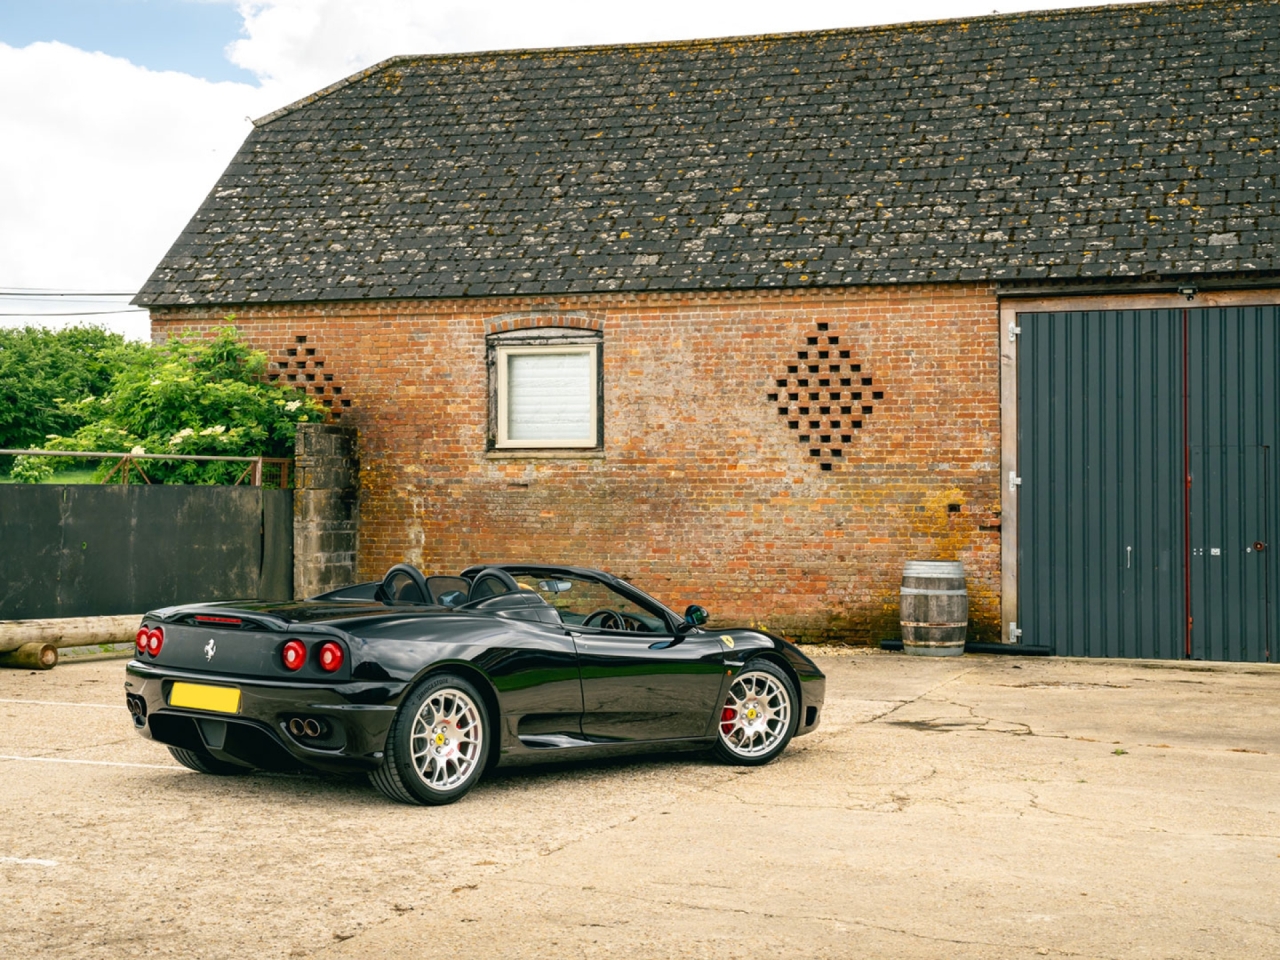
[426, 681]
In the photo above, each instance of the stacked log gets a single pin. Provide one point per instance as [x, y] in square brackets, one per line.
[34, 644]
[32, 656]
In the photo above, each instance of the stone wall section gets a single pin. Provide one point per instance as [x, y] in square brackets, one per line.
[705, 490]
[325, 508]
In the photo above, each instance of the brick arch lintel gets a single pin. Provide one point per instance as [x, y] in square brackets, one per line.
[532, 319]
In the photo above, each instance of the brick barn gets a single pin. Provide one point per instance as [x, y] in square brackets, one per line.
[752, 322]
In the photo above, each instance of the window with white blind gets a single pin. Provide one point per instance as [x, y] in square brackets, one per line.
[547, 395]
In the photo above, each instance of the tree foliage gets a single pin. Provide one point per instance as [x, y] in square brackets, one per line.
[44, 372]
[191, 395]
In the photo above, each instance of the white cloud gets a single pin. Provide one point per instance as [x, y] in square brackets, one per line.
[106, 161]
[104, 164]
[302, 45]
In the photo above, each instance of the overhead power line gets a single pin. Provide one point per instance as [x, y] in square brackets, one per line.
[81, 313]
[51, 295]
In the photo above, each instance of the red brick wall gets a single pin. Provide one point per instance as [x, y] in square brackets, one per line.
[704, 492]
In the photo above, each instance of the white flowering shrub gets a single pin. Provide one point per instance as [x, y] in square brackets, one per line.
[193, 396]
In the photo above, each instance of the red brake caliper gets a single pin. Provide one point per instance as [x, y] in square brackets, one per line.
[727, 716]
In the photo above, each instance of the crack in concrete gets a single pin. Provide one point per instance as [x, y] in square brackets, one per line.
[974, 721]
[903, 703]
[1066, 685]
[1025, 731]
[548, 851]
[870, 804]
[1035, 803]
[1257, 923]
[937, 724]
[1246, 836]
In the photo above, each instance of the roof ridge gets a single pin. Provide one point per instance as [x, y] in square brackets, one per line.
[715, 41]
[331, 88]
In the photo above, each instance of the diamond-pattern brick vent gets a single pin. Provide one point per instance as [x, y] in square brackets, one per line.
[826, 397]
[302, 365]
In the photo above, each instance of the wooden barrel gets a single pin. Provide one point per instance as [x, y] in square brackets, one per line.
[935, 608]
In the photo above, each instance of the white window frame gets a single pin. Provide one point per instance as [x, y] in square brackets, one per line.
[502, 353]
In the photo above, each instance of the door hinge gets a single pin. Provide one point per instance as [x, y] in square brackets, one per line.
[1015, 481]
[1014, 330]
[1015, 633]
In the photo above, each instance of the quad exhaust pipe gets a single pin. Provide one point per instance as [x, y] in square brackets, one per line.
[309, 727]
[137, 709]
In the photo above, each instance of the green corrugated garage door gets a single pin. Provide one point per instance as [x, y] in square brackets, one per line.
[1117, 555]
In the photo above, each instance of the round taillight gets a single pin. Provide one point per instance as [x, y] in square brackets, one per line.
[155, 640]
[141, 639]
[295, 654]
[330, 656]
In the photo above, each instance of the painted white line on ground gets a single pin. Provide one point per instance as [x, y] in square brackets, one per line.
[29, 862]
[66, 703]
[94, 763]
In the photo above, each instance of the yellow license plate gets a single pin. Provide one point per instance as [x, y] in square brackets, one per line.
[196, 696]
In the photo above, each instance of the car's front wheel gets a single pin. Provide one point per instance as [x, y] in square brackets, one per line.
[758, 716]
[437, 745]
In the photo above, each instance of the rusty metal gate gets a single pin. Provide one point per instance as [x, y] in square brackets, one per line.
[1147, 453]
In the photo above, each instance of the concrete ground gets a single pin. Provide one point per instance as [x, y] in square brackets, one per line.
[979, 807]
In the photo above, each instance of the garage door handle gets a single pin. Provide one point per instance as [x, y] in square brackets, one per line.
[1128, 557]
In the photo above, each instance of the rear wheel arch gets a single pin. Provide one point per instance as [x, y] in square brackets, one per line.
[434, 752]
[468, 671]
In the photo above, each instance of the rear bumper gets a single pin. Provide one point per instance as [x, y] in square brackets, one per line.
[353, 717]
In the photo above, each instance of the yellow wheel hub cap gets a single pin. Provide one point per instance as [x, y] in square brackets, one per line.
[439, 739]
[751, 714]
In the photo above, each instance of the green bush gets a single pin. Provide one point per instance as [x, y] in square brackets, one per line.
[32, 469]
[191, 395]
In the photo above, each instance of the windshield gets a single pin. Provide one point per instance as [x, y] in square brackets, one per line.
[589, 603]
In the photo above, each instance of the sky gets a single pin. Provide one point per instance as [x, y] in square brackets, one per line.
[119, 115]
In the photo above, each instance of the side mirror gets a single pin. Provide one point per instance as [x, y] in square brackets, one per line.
[695, 615]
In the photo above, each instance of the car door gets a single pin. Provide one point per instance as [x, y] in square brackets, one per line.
[640, 679]
[638, 686]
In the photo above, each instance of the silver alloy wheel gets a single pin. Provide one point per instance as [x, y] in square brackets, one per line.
[447, 739]
[756, 715]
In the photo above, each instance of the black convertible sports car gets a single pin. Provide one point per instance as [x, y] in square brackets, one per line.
[424, 682]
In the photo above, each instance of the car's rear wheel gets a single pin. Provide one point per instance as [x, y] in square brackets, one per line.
[437, 745]
[758, 716]
[203, 762]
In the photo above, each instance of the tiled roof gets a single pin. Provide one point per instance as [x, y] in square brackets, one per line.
[1120, 141]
